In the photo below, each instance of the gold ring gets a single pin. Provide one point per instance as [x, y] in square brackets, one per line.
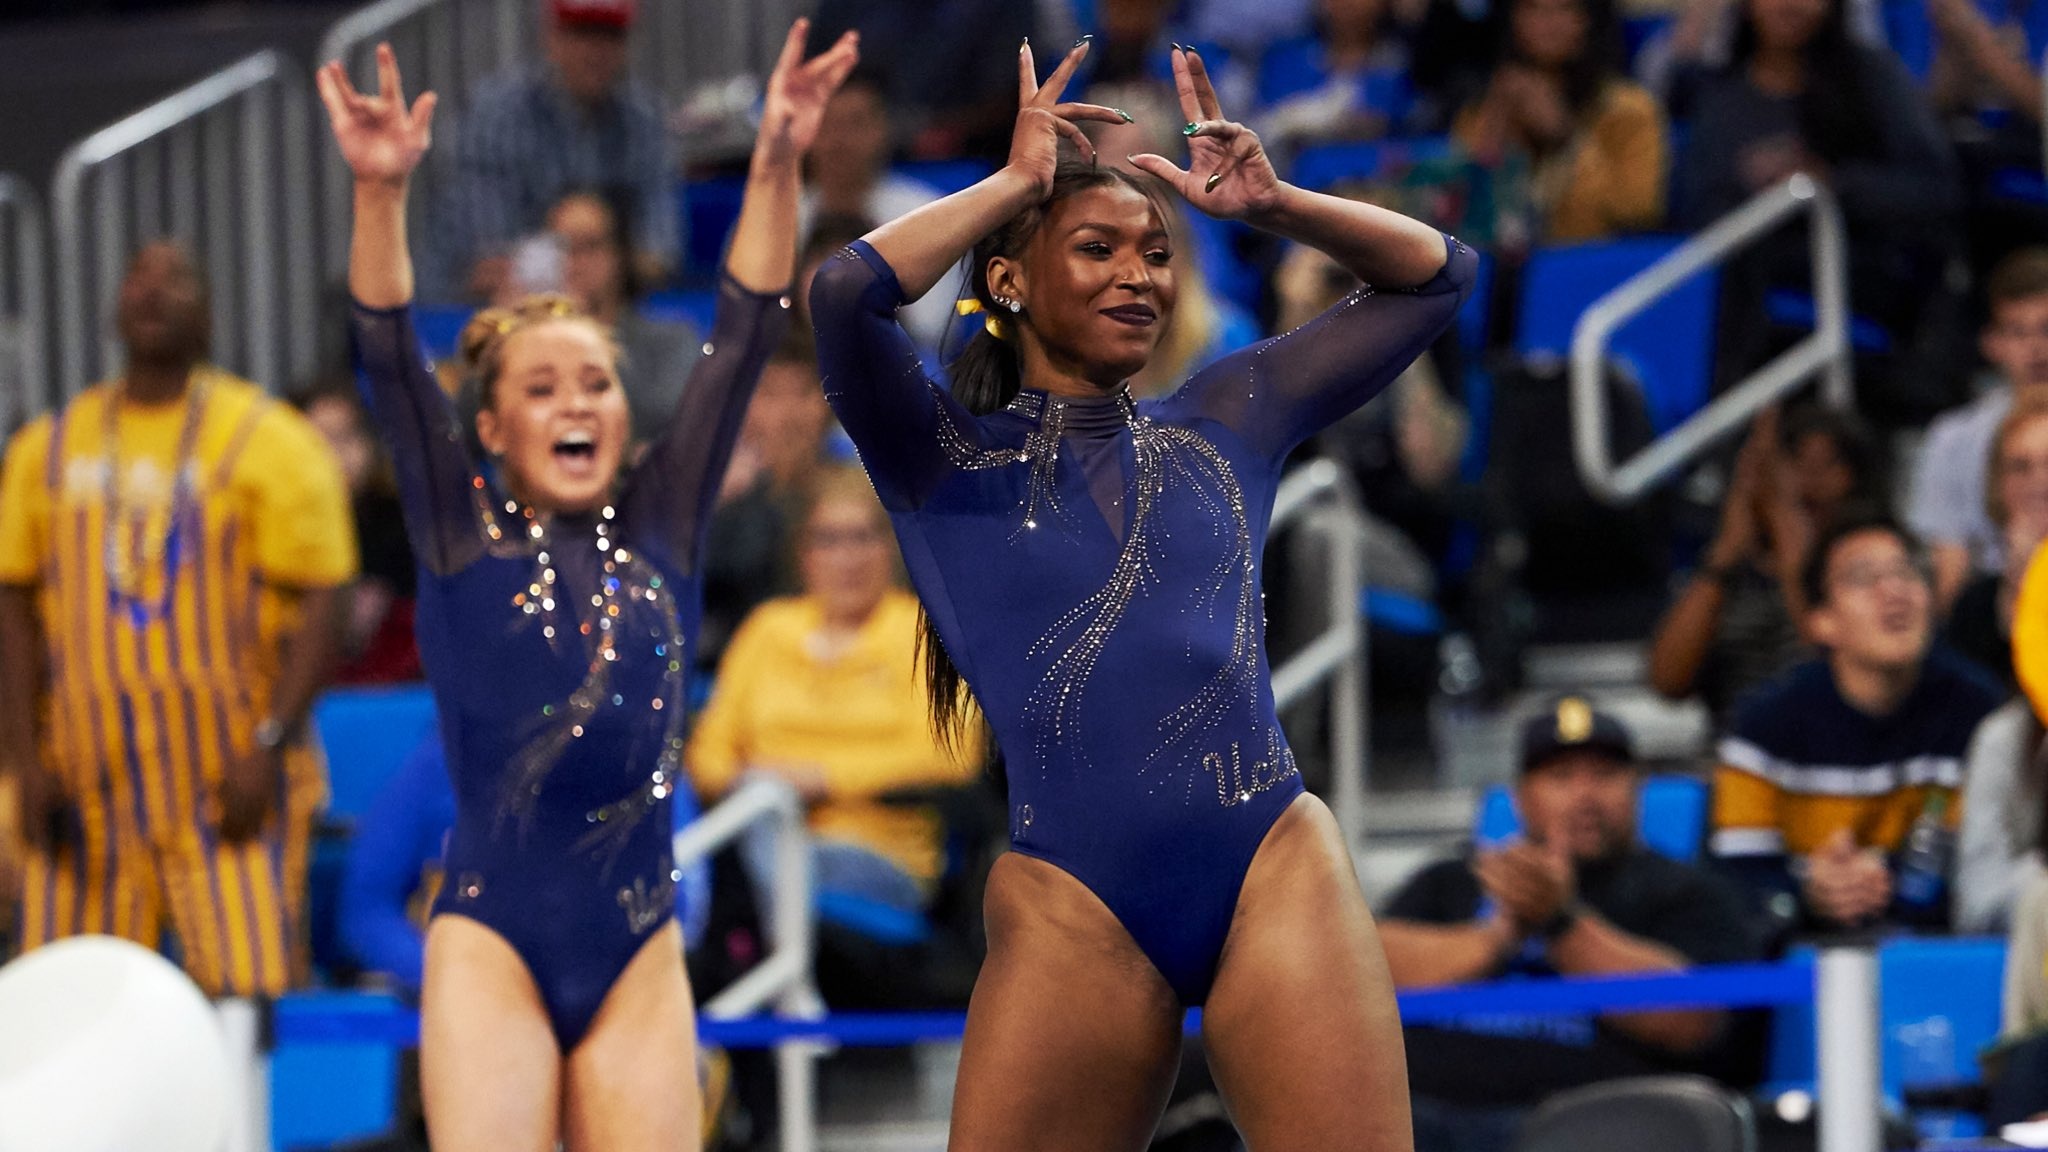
[1213, 181]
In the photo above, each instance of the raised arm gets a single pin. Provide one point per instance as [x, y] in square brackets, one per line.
[873, 377]
[1281, 392]
[382, 141]
[676, 488]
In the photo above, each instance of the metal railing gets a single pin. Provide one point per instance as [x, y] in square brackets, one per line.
[1824, 353]
[220, 166]
[784, 976]
[1320, 494]
[24, 305]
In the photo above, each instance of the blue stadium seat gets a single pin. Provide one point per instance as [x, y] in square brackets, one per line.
[709, 208]
[1668, 347]
[696, 309]
[325, 1094]
[1910, 32]
[1319, 166]
[1671, 817]
[367, 733]
[439, 326]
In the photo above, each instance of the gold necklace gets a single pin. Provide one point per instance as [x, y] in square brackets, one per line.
[131, 549]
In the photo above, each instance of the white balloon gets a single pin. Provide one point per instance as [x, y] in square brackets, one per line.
[105, 1046]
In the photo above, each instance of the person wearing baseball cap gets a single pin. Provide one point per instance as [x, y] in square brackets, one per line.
[571, 123]
[1574, 894]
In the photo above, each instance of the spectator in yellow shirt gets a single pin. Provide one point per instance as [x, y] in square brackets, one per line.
[821, 690]
[174, 546]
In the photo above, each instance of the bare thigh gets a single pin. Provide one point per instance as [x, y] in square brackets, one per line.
[490, 1074]
[631, 1083]
[1073, 1037]
[1301, 1028]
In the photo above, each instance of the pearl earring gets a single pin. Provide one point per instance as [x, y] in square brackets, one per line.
[1016, 305]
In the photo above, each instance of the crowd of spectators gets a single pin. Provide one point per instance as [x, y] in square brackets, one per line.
[1878, 756]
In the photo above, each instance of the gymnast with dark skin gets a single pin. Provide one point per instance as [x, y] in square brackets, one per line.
[1089, 571]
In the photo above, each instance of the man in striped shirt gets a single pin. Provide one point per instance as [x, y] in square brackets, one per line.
[173, 545]
[1825, 768]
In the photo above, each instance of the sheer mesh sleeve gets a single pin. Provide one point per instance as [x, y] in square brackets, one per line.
[437, 476]
[1279, 392]
[896, 415]
[675, 488]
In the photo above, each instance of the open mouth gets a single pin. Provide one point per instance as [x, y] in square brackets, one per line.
[576, 448]
[1135, 315]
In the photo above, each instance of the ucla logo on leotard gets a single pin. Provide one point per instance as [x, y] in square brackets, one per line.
[1237, 782]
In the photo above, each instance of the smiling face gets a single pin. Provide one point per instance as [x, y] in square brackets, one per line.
[1875, 610]
[1096, 282]
[556, 417]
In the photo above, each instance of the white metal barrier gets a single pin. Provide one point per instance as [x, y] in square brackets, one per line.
[1825, 353]
[784, 977]
[1321, 495]
[221, 166]
[24, 306]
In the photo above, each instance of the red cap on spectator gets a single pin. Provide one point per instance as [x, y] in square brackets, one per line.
[597, 13]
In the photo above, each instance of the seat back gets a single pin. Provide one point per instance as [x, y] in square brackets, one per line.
[1668, 348]
[1671, 816]
[367, 733]
[1667, 1113]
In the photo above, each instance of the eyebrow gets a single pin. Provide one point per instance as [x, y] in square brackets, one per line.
[1153, 232]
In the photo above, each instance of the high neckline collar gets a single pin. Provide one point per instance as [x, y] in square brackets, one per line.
[1101, 415]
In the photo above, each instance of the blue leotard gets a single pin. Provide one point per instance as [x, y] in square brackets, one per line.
[556, 652]
[1092, 567]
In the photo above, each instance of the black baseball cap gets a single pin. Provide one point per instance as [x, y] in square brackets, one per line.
[1572, 724]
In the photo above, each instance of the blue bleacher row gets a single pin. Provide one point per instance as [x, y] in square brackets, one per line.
[334, 1073]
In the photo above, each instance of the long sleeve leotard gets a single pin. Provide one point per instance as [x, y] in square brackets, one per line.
[1093, 569]
[556, 648]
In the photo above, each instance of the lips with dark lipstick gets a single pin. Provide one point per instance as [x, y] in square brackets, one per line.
[1135, 315]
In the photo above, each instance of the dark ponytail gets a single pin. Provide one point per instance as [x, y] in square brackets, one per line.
[986, 376]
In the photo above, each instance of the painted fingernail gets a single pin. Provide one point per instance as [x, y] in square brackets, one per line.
[1191, 129]
[1024, 45]
[1081, 41]
[1210, 184]
[1124, 114]
[1177, 47]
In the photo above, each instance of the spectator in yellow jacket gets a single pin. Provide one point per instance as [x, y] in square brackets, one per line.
[821, 690]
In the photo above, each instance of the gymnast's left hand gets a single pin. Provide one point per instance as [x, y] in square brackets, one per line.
[1228, 175]
[798, 91]
[248, 791]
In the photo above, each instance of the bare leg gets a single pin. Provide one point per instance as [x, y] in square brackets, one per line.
[1072, 1035]
[490, 1075]
[632, 1081]
[1301, 1027]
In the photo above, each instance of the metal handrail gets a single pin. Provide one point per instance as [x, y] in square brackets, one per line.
[1825, 353]
[22, 261]
[1322, 493]
[269, 285]
[784, 976]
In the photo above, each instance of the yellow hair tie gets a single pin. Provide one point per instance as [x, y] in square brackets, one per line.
[994, 326]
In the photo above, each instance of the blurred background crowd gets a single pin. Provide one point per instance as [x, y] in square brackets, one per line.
[1783, 697]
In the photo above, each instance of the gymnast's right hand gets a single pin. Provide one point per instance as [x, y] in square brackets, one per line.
[1042, 120]
[381, 139]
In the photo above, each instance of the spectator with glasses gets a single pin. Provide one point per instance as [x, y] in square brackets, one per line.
[1827, 768]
